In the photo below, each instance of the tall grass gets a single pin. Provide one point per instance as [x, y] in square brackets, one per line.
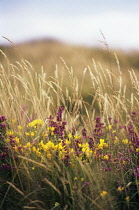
[84, 158]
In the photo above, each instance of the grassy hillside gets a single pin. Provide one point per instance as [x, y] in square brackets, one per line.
[69, 129]
[49, 55]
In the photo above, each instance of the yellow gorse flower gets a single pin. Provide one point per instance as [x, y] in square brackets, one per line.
[30, 133]
[125, 141]
[124, 162]
[114, 131]
[77, 137]
[68, 142]
[19, 127]
[102, 144]
[50, 128]
[57, 204]
[106, 157]
[120, 189]
[28, 145]
[127, 198]
[137, 149]
[69, 135]
[103, 193]
[36, 122]
[116, 140]
[15, 148]
[34, 149]
[44, 134]
[9, 132]
[17, 140]
[49, 148]
[109, 127]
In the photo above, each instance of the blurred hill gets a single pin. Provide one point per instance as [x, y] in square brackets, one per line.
[48, 53]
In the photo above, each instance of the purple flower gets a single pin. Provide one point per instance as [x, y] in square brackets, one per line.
[3, 126]
[51, 117]
[136, 172]
[5, 166]
[98, 131]
[115, 121]
[84, 133]
[73, 130]
[85, 184]
[98, 119]
[59, 113]
[91, 143]
[134, 113]
[2, 118]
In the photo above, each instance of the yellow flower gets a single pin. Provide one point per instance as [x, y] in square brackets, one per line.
[69, 136]
[101, 141]
[75, 178]
[86, 150]
[125, 141]
[15, 148]
[103, 193]
[28, 145]
[127, 198]
[114, 131]
[67, 142]
[102, 144]
[120, 189]
[124, 162]
[16, 139]
[45, 147]
[106, 157]
[57, 204]
[30, 133]
[50, 144]
[59, 146]
[77, 137]
[41, 143]
[33, 149]
[49, 155]
[38, 153]
[109, 127]
[50, 128]
[19, 127]
[137, 149]
[36, 122]
[44, 134]
[116, 140]
[9, 132]
[62, 154]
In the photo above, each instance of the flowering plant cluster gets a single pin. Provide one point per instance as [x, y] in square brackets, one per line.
[113, 148]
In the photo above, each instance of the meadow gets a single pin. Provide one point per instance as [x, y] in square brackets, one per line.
[69, 128]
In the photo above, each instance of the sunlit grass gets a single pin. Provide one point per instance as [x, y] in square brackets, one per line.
[65, 143]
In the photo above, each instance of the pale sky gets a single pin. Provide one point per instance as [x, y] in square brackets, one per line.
[76, 22]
